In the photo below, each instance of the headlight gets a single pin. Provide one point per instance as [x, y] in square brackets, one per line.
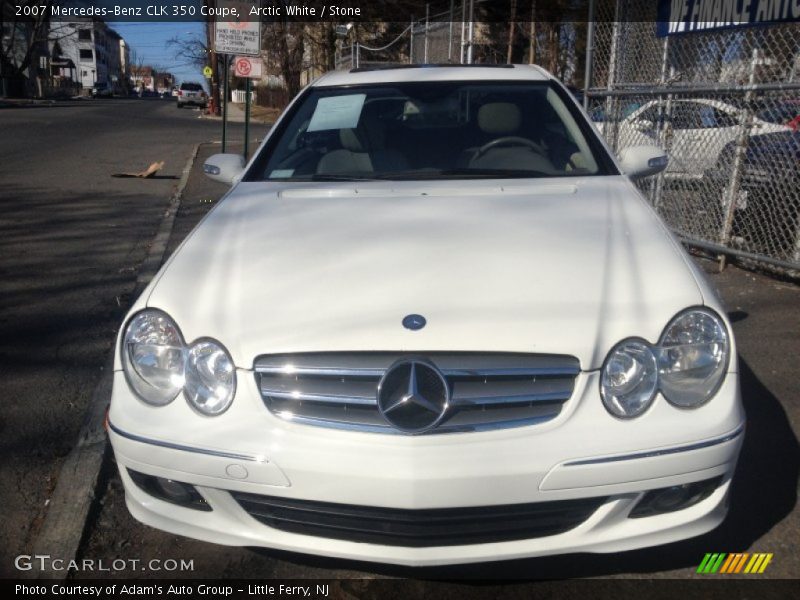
[152, 357]
[158, 365]
[693, 357]
[629, 379]
[687, 366]
[210, 377]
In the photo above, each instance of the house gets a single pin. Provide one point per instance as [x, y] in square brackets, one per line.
[97, 53]
[143, 78]
[164, 82]
[147, 79]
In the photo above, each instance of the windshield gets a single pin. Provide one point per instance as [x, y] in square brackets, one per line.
[438, 130]
[191, 87]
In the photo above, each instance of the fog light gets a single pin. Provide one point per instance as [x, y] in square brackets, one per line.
[169, 490]
[176, 491]
[671, 499]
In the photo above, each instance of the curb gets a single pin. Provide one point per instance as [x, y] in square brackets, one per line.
[155, 257]
[76, 487]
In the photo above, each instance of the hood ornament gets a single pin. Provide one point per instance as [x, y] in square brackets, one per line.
[414, 322]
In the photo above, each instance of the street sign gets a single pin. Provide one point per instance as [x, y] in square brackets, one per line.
[207, 72]
[237, 36]
[246, 66]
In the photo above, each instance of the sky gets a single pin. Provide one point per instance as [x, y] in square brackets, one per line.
[149, 41]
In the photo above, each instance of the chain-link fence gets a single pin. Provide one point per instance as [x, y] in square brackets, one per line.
[725, 104]
[433, 39]
[436, 42]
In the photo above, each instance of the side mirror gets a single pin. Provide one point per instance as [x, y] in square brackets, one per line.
[641, 161]
[224, 168]
[643, 125]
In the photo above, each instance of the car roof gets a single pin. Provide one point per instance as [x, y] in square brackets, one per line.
[416, 73]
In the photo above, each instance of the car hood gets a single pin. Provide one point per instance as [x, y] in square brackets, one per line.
[543, 267]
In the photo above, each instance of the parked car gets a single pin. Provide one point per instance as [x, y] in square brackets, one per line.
[767, 197]
[433, 321]
[191, 93]
[102, 90]
[780, 112]
[175, 91]
[700, 129]
[599, 116]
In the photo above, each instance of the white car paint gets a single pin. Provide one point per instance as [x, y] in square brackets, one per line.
[499, 254]
[556, 266]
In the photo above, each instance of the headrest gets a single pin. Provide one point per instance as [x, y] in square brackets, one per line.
[499, 117]
[350, 140]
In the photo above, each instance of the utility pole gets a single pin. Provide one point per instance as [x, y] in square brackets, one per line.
[212, 59]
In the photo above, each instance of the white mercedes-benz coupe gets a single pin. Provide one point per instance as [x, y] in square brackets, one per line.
[432, 322]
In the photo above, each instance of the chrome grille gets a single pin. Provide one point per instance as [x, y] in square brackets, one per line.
[488, 390]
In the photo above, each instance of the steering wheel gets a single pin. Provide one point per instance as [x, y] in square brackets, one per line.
[510, 140]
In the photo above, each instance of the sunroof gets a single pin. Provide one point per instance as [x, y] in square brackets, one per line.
[386, 66]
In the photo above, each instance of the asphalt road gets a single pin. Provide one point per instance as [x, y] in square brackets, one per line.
[71, 241]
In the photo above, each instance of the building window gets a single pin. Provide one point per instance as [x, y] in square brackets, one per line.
[86, 55]
[85, 34]
[84, 73]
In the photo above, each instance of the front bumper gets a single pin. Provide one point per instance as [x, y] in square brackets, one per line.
[583, 453]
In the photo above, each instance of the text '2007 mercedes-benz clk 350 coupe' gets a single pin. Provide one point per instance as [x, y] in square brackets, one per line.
[432, 322]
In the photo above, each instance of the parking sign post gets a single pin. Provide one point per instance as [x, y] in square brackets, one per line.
[246, 118]
[233, 37]
[224, 100]
[247, 68]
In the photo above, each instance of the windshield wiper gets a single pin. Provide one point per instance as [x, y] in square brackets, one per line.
[432, 174]
[493, 173]
[334, 177]
[461, 173]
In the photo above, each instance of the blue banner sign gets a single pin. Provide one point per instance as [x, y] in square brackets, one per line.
[687, 16]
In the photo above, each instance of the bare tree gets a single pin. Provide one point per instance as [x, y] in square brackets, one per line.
[21, 36]
[511, 30]
[193, 50]
[285, 41]
[532, 39]
[321, 43]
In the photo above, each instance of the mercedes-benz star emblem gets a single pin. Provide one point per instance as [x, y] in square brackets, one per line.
[413, 395]
[414, 322]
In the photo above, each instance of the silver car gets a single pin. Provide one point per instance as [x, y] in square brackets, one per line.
[191, 93]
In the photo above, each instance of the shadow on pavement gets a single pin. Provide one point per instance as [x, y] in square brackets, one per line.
[68, 262]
